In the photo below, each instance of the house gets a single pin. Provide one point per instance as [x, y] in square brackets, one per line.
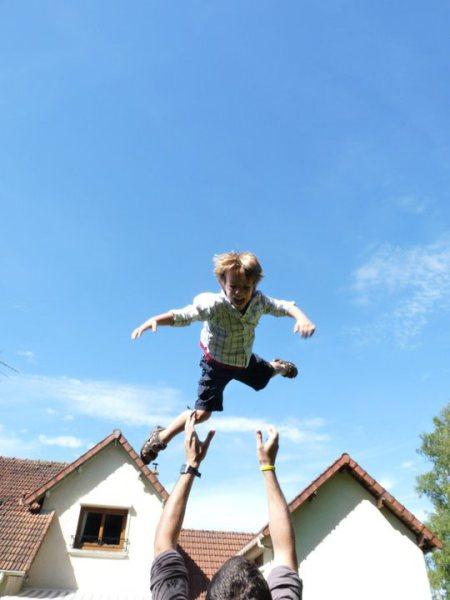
[86, 529]
[354, 539]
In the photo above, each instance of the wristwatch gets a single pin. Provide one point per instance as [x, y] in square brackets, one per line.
[188, 469]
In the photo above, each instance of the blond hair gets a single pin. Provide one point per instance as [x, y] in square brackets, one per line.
[240, 261]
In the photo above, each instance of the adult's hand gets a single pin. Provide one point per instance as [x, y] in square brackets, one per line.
[195, 449]
[267, 451]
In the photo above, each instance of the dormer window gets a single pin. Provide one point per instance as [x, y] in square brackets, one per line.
[101, 528]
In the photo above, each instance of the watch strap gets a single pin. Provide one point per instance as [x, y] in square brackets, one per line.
[189, 469]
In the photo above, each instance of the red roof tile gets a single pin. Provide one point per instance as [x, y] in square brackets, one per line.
[205, 552]
[21, 531]
[425, 538]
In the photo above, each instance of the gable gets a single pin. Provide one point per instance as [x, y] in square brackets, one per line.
[119, 441]
[345, 512]
[343, 528]
[425, 538]
[109, 478]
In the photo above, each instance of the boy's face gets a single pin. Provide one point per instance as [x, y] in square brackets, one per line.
[238, 288]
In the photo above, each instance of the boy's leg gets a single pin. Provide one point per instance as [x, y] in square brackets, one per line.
[160, 436]
[212, 382]
[259, 372]
[284, 368]
[177, 425]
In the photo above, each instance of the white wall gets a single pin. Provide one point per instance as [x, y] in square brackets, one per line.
[10, 584]
[349, 549]
[108, 479]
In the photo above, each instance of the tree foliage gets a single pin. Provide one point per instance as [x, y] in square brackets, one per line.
[436, 486]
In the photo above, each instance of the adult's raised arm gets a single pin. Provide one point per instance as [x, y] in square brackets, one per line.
[171, 520]
[280, 523]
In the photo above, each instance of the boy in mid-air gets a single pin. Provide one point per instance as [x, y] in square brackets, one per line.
[229, 321]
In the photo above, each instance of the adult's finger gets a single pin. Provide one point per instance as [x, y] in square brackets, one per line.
[259, 438]
[208, 439]
[189, 424]
[272, 430]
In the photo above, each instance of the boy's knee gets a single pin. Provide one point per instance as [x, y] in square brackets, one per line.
[202, 415]
[260, 386]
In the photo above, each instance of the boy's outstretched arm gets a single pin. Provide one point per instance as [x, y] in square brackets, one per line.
[153, 324]
[280, 524]
[303, 325]
[171, 520]
[177, 317]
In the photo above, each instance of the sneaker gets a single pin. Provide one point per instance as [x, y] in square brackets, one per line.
[291, 369]
[152, 446]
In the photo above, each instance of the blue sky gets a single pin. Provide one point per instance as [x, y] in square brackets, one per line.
[138, 142]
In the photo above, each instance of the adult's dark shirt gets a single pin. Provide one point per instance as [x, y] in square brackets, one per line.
[169, 580]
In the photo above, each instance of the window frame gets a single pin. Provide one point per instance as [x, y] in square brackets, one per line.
[99, 546]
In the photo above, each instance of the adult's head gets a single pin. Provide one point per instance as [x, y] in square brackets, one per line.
[238, 579]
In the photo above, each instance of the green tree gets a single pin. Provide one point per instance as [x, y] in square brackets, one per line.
[436, 486]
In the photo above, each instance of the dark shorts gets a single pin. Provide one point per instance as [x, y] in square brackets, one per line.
[215, 377]
[169, 580]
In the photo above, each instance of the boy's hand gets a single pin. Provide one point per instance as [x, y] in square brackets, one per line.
[304, 327]
[152, 324]
[195, 449]
[267, 452]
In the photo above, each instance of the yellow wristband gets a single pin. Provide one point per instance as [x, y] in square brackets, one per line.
[268, 468]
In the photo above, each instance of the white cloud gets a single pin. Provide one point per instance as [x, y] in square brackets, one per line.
[27, 355]
[105, 400]
[293, 430]
[299, 479]
[50, 411]
[408, 464]
[387, 483]
[412, 204]
[411, 284]
[64, 441]
[13, 445]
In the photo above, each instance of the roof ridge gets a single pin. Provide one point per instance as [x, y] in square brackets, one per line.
[37, 461]
[221, 531]
[428, 540]
[116, 435]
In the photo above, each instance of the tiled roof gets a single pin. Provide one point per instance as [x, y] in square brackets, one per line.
[21, 531]
[22, 485]
[425, 538]
[115, 436]
[18, 476]
[205, 552]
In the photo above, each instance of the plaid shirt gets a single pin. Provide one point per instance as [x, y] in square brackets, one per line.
[227, 334]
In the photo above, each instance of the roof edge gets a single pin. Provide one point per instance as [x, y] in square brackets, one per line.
[38, 546]
[116, 435]
[426, 539]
